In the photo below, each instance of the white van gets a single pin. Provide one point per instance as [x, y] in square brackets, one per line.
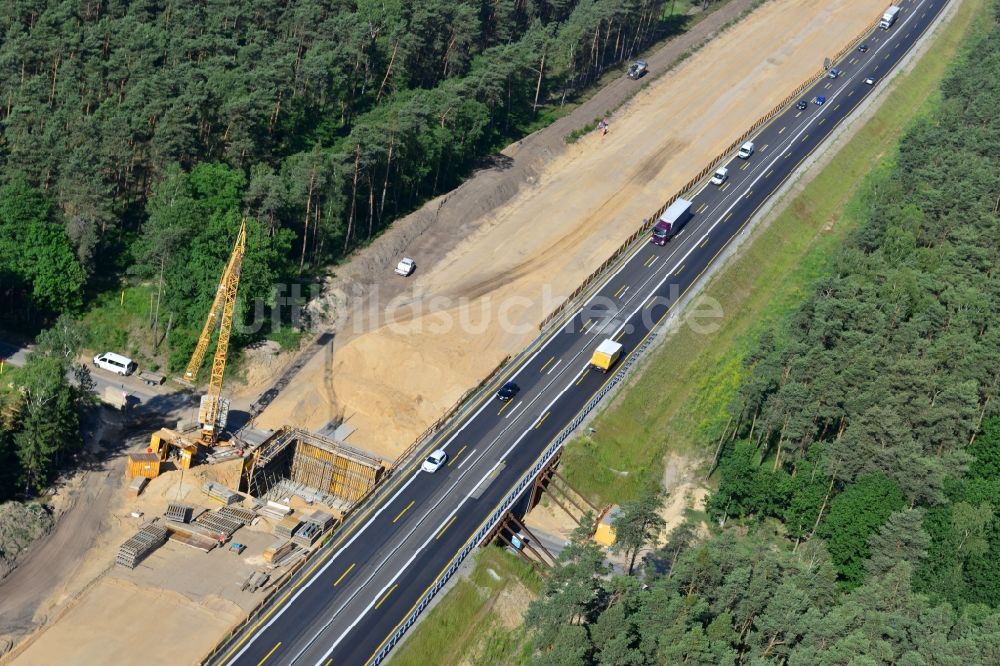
[746, 150]
[116, 363]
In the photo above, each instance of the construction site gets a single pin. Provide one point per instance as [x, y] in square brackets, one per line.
[210, 518]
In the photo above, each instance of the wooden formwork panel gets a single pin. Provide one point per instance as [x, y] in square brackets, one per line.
[333, 472]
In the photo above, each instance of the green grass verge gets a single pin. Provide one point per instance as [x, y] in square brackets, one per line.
[466, 625]
[679, 400]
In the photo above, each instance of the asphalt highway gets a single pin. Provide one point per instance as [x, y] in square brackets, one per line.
[342, 608]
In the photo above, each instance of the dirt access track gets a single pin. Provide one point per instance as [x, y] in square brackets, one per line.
[484, 299]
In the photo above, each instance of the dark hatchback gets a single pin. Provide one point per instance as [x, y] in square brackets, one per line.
[508, 391]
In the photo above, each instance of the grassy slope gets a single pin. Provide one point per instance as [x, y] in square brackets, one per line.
[678, 402]
[766, 282]
[466, 619]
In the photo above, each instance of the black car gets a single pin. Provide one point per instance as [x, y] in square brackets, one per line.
[863, 48]
[508, 391]
[802, 105]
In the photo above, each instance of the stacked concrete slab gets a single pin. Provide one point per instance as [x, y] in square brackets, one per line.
[321, 518]
[286, 528]
[146, 540]
[221, 493]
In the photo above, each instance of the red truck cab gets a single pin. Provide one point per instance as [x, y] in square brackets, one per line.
[674, 217]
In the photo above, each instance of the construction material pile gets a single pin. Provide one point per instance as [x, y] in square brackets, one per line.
[147, 539]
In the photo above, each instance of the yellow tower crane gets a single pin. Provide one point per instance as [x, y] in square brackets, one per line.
[214, 409]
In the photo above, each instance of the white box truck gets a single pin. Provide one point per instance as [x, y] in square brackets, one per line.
[889, 17]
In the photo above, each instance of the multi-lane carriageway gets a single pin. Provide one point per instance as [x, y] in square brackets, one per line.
[344, 605]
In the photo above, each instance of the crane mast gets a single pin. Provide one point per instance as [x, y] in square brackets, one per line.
[214, 409]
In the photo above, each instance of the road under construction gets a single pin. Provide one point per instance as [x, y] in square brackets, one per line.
[359, 594]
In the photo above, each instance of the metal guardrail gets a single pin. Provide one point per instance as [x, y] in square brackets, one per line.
[488, 525]
[525, 481]
[528, 477]
[651, 220]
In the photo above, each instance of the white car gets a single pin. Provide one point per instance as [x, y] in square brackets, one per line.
[746, 150]
[870, 81]
[720, 176]
[405, 267]
[434, 461]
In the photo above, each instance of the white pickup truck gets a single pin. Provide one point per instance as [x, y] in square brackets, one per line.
[405, 267]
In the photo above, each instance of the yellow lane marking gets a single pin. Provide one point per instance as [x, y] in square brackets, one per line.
[886, 57]
[651, 303]
[344, 574]
[395, 480]
[748, 194]
[798, 114]
[678, 271]
[386, 595]
[650, 261]
[804, 137]
[652, 300]
[446, 526]
[821, 121]
[702, 207]
[852, 61]
[620, 335]
[619, 292]
[328, 661]
[906, 36]
[268, 655]
[412, 502]
[723, 188]
[705, 242]
[876, 68]
[788, 154]
[745, 166]
[764, 147]
[768, 174]
[850, 92]
[897, 45]
[726, 218]
[547, 364]
[583, 376]
[827, 86]
[505, 406]
[460, 452]
[781, 130]
[590, 322]
[542, 420]
[836, 107]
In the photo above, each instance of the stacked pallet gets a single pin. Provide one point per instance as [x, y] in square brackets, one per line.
[286, 528]
[180, 513]
[237, 513]
[219, 523]
[273, 509]
[221, 493]
[278, 550]
[307, 534]
[135, 549]
[321, 518]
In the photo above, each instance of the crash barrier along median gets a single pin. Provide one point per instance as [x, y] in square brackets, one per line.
[647, 223]
[523, 484]
[526, 480]
[469, 398]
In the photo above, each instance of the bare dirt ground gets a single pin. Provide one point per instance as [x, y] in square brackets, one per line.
[485, 298]
[108, 614]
